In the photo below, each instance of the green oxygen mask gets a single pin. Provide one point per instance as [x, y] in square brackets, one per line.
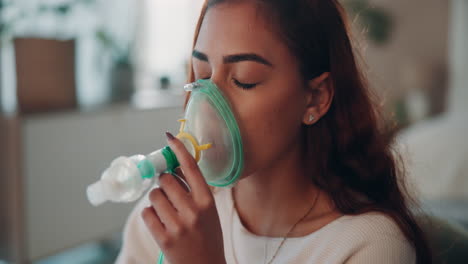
[210, 133]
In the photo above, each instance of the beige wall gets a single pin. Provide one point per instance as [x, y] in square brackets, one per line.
[459, 57]
[415, 57]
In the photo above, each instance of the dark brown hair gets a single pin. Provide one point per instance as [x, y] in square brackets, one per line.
[348, 152]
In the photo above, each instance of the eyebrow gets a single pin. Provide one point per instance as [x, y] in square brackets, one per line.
[235, 58]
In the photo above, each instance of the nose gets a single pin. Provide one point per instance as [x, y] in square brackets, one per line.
[219, 74]
[222, 84]
[218, 79]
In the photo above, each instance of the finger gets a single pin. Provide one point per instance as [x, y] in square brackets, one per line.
[164, 209]
[177, 195]
[153, 223]
[189, 166]
[179, 176]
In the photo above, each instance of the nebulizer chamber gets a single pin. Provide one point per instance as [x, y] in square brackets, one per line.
[208, 130]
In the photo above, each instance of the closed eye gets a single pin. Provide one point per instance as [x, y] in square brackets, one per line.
[244, 86]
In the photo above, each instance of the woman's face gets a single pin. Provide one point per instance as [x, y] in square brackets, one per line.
[259, 76]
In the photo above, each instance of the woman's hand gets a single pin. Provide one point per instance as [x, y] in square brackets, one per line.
[184, 224]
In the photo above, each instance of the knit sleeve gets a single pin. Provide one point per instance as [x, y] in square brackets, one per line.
[385, 250]
[138, 246]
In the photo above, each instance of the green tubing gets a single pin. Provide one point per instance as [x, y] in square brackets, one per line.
[171, 159]
[146, 169]
[161, 258]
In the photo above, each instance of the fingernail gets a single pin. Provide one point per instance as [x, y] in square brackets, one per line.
[169, 136]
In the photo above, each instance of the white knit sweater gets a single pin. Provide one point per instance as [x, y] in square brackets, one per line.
[370, 238]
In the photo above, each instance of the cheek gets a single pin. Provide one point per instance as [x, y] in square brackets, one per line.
[269, 123]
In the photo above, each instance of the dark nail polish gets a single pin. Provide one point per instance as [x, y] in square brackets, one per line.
[169, 136]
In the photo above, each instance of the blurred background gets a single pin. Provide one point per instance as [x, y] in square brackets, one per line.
[85, 81]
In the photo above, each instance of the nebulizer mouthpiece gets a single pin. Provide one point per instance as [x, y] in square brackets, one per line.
[208, 130]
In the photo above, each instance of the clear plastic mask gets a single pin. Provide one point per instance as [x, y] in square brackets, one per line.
[210, 120]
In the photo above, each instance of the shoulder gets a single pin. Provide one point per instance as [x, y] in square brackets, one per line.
[372, 237]
[372, 225]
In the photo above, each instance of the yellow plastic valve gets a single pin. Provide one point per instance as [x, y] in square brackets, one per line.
[185, 135]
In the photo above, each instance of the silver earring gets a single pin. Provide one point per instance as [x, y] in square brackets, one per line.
[311, 117]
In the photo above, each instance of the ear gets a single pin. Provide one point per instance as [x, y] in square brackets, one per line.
[319, 96]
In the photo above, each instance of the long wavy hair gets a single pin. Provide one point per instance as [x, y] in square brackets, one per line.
[353, 162]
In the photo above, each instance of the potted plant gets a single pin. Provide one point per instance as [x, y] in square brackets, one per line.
[122, 73]
[45, 39]
[44, 54]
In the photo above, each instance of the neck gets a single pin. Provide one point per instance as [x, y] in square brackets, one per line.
[270, 201]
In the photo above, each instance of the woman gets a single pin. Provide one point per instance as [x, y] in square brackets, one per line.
[320, 184]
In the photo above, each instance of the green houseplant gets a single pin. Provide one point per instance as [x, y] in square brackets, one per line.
[44, 38]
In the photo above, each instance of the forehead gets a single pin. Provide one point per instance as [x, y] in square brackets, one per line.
[236, 28]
